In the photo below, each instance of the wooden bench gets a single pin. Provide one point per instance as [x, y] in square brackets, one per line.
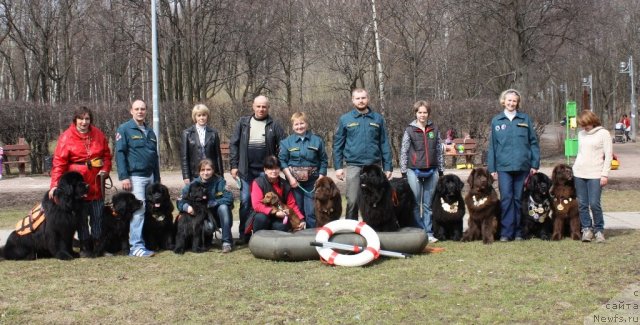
[16, 154]
[224, 149]
[469, 152]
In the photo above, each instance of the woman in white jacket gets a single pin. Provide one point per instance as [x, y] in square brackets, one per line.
[590, 172]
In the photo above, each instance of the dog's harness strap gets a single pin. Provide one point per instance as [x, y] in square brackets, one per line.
[31, 222]
[394, 198]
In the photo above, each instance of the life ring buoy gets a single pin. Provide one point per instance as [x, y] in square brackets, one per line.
[365, 256]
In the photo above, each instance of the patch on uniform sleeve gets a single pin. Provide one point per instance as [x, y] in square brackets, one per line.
[118, 137]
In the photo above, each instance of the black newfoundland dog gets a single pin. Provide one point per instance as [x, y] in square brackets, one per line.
[374, 202]
[536, 207]
[115, 224]
[54, 237]
[404, 202]
[158, 230]
[484, 207]
[448, 208]
[189, 228]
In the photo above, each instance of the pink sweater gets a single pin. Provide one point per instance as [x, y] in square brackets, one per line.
[595, 151]
[258, 206]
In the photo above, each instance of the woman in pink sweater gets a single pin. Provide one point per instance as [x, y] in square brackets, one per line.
[590, 172]
[268, 217]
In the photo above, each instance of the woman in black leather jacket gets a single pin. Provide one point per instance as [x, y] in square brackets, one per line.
[199, 141]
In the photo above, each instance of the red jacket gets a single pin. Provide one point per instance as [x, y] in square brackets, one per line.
[74, 149]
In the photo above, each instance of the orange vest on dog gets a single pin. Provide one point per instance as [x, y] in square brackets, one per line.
[31, 222]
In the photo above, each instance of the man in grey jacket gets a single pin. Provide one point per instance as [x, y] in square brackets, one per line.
[254, 138]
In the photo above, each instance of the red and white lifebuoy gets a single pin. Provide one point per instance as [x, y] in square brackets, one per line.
[370, 253]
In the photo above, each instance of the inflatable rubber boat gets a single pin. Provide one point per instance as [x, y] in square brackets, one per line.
[285, 246]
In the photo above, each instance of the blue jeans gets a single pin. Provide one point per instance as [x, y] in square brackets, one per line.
[225, 221]
[423, 190]
[139, 185]
[353, 191]
[304, 201]
[264, 222]
[511, 185]
[589, 192]
[245, 204]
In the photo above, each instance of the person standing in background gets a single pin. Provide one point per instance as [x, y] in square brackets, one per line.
[513, 154]
[138, 166]
[360, 139]
[254, 138]
[303, 160]
[591, 172]
[83, 148]
[422, 161]
[199, 141]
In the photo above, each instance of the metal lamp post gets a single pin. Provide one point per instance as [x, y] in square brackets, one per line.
[588, 82]
[627, 67]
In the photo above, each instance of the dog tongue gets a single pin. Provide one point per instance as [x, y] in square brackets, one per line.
[157, 205]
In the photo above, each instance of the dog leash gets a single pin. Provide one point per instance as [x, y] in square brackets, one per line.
[104, 186]
[305, 190]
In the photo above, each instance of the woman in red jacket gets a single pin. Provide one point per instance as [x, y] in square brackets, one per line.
[84, 148]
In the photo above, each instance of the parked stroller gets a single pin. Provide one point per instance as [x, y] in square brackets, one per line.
[618, 134]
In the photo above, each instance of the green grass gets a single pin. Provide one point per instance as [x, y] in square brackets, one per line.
[526, 282]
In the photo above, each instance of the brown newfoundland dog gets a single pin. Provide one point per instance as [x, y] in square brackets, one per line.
[483, 206]
[566, 219]
[327, 201]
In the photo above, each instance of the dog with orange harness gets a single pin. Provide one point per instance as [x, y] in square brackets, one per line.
[51, 234]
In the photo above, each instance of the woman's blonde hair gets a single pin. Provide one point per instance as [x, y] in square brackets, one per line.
[199, 109]
[298, 116]
[504, 94]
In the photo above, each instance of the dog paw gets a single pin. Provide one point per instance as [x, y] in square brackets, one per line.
[179, 251]
[64, 256]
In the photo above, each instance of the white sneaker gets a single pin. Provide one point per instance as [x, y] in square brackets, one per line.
[587, 235]
[432, 240]
[600, 237]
